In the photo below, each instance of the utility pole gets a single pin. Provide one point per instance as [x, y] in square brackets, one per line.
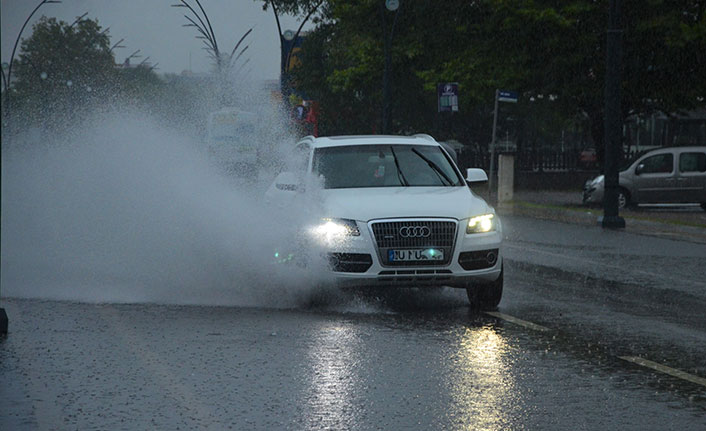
[613, 119]
[491, 176]
[393, 6]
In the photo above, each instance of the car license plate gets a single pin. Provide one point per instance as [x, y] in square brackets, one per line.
[417, 254]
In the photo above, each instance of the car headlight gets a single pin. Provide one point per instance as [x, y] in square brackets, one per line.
[597, 180]
[480, 224]
[331, 228]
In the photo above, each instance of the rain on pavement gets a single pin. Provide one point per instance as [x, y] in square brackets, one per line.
[376, 359]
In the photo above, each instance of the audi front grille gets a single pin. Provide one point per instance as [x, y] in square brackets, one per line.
[414, 234]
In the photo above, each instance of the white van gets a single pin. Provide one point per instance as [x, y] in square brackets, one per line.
[232, 139]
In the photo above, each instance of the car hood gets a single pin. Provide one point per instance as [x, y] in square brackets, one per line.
[365, 204]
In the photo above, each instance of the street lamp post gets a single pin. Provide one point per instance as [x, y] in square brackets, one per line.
[6, 82]
[224, 63]
[287, 41]
[7, 78]
[613, 120]
[393, 6]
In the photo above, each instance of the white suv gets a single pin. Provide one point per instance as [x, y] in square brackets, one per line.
[398, 212]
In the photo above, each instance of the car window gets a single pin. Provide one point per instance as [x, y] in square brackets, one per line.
[661, 163]
[692, 162]
[384, 166]
[632, 159]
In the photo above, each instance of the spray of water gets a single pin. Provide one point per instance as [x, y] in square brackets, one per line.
[121, 209]
[122, 206]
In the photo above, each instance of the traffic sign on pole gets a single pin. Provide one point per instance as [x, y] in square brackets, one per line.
[507, 96]
[447, 97]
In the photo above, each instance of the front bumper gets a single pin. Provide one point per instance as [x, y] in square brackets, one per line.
[475, 258]
[592, 194]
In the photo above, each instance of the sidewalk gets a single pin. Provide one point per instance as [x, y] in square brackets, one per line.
[630, 272]
[681, 223]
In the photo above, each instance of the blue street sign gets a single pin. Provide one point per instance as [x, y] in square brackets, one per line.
[447, 95]
[507, 96]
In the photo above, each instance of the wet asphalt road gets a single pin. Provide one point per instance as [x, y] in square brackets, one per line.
[403, 359]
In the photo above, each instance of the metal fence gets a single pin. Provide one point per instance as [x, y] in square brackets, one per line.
[531, 161]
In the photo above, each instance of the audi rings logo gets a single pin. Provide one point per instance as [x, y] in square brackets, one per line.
[415, 231]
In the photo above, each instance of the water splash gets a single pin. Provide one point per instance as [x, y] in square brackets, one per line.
[124, 210]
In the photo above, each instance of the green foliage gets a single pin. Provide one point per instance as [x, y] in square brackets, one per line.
[535, 47]
[61, 66]
[290, 7]
[65, 71]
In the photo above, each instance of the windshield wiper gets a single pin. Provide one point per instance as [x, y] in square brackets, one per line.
[435, 167]
[400, 175]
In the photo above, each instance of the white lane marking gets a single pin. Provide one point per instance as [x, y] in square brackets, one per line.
[664, 369]
[607, 265]
[517, 321]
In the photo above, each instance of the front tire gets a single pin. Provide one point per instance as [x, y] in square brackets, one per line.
[486, 296]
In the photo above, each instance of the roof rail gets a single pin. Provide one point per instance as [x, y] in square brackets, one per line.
[424, 136]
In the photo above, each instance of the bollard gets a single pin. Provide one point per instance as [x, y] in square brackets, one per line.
[3, 322]
[506, 177]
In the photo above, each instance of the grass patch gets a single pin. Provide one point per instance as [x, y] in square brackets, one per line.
[629, 216]
[553, 206]
[666, 221]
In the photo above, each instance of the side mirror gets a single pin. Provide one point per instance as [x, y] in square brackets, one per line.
[639, 169]
[475, 175]
[288, 182]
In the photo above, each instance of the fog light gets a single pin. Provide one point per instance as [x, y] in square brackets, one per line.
[491, 257]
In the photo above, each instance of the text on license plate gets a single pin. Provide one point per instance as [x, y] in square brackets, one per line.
[407, 255]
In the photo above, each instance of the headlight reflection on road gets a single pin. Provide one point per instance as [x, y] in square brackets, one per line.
[332, 358]
[482, 387]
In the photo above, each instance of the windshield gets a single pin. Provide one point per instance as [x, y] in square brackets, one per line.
[384, 166]
[630, 160]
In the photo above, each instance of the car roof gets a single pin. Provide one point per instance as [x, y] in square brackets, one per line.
[342, 141]
[672, 149]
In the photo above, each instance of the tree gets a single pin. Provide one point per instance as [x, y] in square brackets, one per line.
[550, 48]
[62, 67]
[558, 48]
[349, 46]
[139, 86]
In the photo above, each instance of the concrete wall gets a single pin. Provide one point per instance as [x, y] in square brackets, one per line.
[506, 177]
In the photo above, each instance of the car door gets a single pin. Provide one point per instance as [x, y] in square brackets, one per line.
[691, 179]
[655, 179]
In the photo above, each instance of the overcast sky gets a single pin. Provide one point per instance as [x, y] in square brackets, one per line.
[155, 28]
